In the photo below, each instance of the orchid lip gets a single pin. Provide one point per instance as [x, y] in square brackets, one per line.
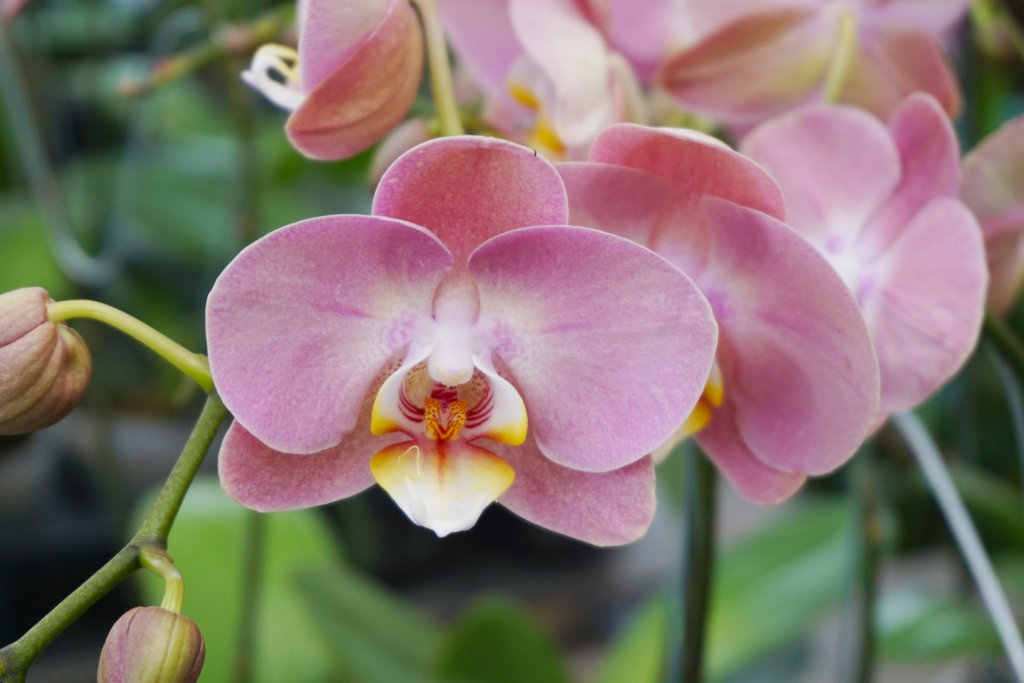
[274, 72]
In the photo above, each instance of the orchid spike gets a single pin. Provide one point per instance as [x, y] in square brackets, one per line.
[351, 81]
[755, 59]
[796, 389]
[993, 188]
[881, 203]
[409, 347]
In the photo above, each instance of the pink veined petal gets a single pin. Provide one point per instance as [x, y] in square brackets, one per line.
[756, 67]
[796, 359]
[707, 16]
[930, 162]
[608, 343]
[300, 323]
[924, 302]
[623, 201]
[891, 63]
[644, 31]
[722, 442]
[468, 189]
[934, 17]
[480, 33]
[695, 165]
[573, 55]
[604, 509]
[836, 166]
[364, 98]
[407, 135]
[993, 188]
[330, 31]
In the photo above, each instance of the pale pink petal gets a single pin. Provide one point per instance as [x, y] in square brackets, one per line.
[993, 188]
[629, 203]
[363, 99]
[574, 57]
[607, 508]
[644, 32]
[468, 189]
[836, 166]
[722, 442]
[300, 323]
[399, 141]
[890, 64]
[330, 31]
[608, 343]
[930, 162]
[756, 67]
[707, 16]
[695, 165]
[934, 17]
[924, 302]
[480, 33]
[796, 359]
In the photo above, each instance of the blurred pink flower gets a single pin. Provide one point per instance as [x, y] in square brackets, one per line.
[881, 203]
[427, 332]
[756, 59]
[353, 78]
[797, 384]
[993, 188]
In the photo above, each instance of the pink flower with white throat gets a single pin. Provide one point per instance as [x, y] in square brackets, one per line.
[410, 347]
[795, 391]
[352, 79]
[882, 204]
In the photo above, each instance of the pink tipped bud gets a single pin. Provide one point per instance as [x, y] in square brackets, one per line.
[152, 645]
[44, 366]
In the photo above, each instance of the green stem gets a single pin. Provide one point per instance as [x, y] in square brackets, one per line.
[1009, 345]
[861, 663]
[698, 562]
[842, 56]
[245, 647]
[192, 364]
[966, 535]
[440, 69]
[151, 538]
[1014, 404]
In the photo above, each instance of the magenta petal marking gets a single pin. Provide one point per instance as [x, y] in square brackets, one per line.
[796, 359]
[468, 189]
[301, 322]
[924, 301]
[609, 344]
[606, 508]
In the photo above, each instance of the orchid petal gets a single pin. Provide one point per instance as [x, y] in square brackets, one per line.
[604, 509]
[836, 167]
[480, 32]
[331, 31]
[506, 418]
[573, 55]
[890, 64]
[591, 325]
[924, 300]
[441, 485]
[301, 322]
[468, 189]
[363, 99]
[796, 358]
[934, 17]
[756, 67]
[722, 442]
[644, 31]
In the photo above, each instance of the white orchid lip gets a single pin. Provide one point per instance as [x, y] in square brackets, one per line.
[274, 72]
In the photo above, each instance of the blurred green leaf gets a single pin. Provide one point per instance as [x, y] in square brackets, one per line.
[994, 503]
[495, 641]
[917, 627]
[769, 588]
[377, 635]
[207, 546]
[25, 250]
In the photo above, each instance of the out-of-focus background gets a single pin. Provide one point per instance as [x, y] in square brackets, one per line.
[163, 179]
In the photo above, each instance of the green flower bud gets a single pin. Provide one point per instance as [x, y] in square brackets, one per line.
[152, 645]
[44, 366]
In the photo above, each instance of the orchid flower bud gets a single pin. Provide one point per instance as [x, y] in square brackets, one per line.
[44, 366]
[152, 645]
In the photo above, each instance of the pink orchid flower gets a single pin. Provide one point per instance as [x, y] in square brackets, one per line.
[409, 347]
[353, 78]
[881, 203]
[760, 58]
[796, 386]
[993, 188]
